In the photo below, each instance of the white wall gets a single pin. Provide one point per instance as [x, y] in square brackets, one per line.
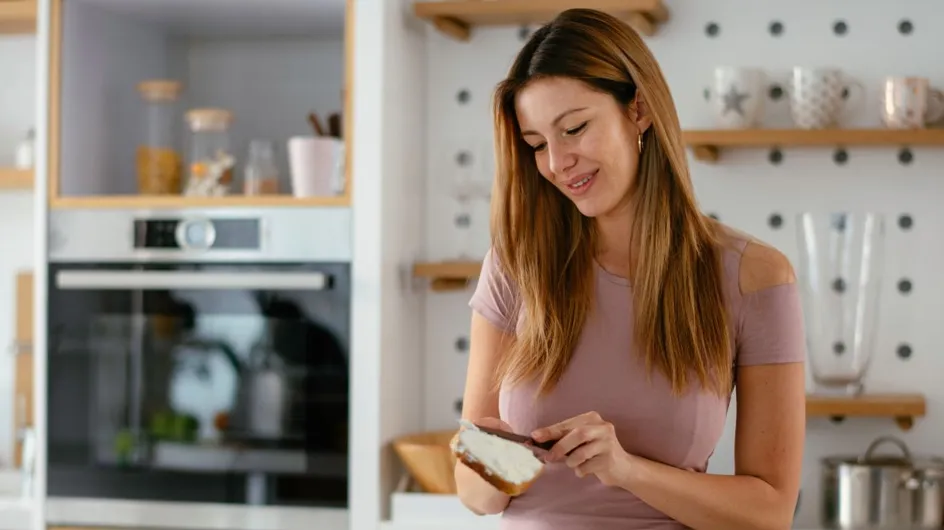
[388, 185]
[17, 115]
[744, 189]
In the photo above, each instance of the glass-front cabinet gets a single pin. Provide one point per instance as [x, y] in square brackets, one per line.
[199, 252]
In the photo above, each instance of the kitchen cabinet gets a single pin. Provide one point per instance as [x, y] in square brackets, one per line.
[23, 371]
[269, 64]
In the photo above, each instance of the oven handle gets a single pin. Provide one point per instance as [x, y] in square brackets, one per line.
[138, 280]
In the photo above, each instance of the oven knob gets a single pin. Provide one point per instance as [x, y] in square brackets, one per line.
[195, 234]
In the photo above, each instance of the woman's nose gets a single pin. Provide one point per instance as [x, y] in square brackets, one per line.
[560, 158]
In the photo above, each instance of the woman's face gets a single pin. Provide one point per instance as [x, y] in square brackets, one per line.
[584, 142]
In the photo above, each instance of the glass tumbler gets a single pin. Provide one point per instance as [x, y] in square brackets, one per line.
[840, 273]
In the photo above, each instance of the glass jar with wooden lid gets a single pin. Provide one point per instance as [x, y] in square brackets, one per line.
[158, 161]
[211, 160]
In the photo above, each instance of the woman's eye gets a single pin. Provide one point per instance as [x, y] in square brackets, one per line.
[539, 147]
[577, 129]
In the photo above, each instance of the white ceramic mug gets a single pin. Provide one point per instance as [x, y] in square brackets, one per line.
[317, 166]
[737, 96]
[816, 100]
[910, 103]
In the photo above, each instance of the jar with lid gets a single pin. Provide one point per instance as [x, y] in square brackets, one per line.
[261, 175]
[158, 160]
[211, 161]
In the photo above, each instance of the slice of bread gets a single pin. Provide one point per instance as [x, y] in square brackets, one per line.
[508, 466]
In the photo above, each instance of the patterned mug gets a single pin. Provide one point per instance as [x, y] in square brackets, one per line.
[817, 96]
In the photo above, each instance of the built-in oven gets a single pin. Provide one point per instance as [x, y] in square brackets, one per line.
[199, 357]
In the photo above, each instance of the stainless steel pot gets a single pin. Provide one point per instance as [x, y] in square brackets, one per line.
[883, 492]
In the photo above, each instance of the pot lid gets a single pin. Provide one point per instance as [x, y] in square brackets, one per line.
[904, 459]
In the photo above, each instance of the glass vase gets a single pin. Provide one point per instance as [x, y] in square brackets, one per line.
[840, 274]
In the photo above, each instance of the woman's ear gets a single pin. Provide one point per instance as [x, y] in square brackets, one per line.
[639, 112]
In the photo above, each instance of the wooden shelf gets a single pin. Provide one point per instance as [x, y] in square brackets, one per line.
[457, 18]
[179, 202]
[16, 179]
[903, 408]
[17, 17]
[448, 275]
[707, 144]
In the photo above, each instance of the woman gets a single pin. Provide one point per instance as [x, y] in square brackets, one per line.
[613, 316]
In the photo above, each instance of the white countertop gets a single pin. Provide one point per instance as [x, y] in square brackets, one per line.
[15, 512]
[420, 511]
[189, 516]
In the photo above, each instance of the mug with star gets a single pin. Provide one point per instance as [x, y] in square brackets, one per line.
[737, 96]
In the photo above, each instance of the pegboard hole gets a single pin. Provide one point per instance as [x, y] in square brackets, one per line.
[776, 28]
[775, 92]
[714, 216]
[463, 158]
[462, 345]
[905, 221]
[463, 96]
[904, 286]
[905, 27]
[523, 33]
[839, 285]
[463, 220]
[840, 28]
[839, 222]
[706, 93]
[840, 157]
[839, 347]
[845, 93]
[837, 419]
[905, 156]
[712, 29]
[903, 351]
[457, 406]
[775, 221]
[775, 156]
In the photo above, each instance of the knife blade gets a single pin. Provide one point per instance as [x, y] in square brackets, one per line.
[518, 438]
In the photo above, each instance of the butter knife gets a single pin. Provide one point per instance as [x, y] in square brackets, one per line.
[518, 438]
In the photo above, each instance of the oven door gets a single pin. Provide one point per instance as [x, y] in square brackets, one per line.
[200, 382]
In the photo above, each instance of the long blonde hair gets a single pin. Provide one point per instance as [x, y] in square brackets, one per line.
[546, 246]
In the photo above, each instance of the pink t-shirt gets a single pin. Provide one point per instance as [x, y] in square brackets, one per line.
[607, 377]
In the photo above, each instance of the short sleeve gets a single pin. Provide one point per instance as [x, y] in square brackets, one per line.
[494, 297]
[771, 327]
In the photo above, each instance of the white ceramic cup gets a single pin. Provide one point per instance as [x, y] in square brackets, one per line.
[316, 164]
[816, 100]
[737, 96]
[910, 103]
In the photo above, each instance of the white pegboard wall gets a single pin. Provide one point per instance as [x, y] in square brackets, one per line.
[747, 189]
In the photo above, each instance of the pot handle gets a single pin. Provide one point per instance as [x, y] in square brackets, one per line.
[882, 440]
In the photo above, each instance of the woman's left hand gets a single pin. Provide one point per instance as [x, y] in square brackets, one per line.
[588, 445]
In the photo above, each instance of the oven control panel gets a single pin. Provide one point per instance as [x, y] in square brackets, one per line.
[197, 233]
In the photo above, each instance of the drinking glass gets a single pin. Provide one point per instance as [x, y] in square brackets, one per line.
[840, 273]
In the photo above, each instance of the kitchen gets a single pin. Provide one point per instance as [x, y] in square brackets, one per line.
[417, 211]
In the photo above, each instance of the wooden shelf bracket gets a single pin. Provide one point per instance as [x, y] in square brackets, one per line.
[457, 18]
[902, 408]
[448, 275]
[706, 145]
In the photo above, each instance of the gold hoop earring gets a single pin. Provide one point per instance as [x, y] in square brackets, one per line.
[639, 143]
